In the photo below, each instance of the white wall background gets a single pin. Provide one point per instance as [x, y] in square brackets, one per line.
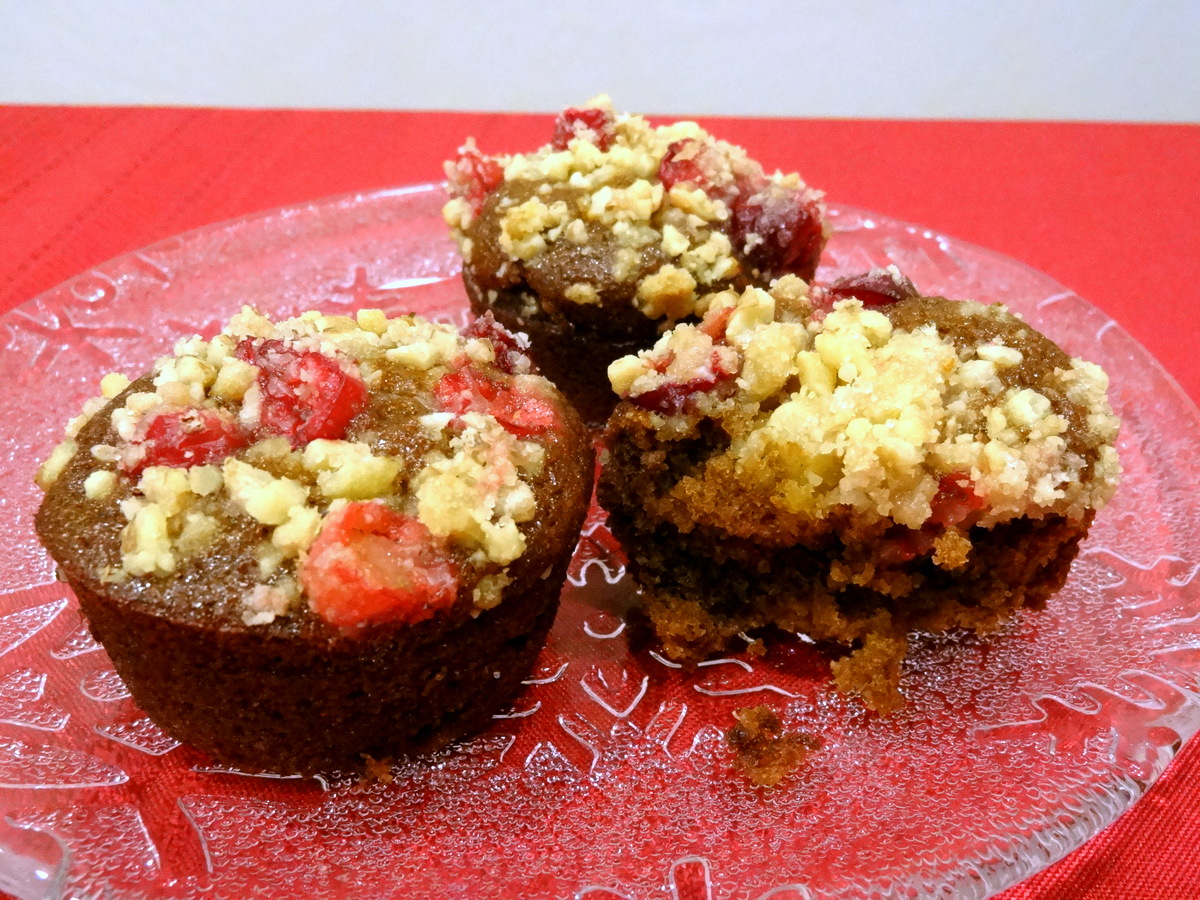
[1042, 59]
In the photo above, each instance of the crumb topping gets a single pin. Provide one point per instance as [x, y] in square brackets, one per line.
[849, 410]
[269, 423]
[701, 204]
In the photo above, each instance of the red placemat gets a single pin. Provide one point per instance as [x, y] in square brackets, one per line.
[1108, 210]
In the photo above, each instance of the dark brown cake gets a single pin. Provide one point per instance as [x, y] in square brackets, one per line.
[598, 241]
[852, 469]
[308, 543]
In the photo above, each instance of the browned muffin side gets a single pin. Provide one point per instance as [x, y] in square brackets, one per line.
[601, 239]
[308, 542]
[854, 463]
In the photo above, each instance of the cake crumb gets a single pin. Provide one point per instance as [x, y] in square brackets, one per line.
[951, 549]
[756, 648]
[377, 770]
[765, 753]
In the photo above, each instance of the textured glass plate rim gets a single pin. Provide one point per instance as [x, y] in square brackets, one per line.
[1056, 841]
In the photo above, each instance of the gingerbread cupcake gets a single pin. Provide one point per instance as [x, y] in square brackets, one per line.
[854, 463]
[600, 240]
[312, 542]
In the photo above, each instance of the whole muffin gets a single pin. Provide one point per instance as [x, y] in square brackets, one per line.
[853, 463]
[313, 542]
[601, 239]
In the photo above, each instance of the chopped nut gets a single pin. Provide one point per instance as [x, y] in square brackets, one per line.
[261, 495]
[197, 533]
[166, 487]
[55, 463]
[204, 480]
[1026, 407]
[490, 590]
[298, 532]
[233, 379]
[349, 470]
[1001, 356]
[112, 384]
[146, 543]
[99, 484]
[669, 293]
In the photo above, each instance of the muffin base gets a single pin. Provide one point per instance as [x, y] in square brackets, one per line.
[702, 586]
[302, 704]
[698, 606]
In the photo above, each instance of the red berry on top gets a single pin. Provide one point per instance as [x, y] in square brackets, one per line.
[778, 230]
[520, 412]
[672, 396]
[305, 394]
[956, 502]
[186, 437]
[590, 124]
[682, 164]
[716, 323]
[509, 347]
[879, 287]
[370, 564]
[473, 176]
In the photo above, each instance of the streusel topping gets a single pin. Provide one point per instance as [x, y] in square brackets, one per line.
[700, 207]
[272, 422]
[845, 408]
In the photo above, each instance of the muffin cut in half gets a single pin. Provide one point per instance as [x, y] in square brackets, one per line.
[315, 541]
[854, 463]
[598, 241]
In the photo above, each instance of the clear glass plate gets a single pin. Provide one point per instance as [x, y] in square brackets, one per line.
[609, 777]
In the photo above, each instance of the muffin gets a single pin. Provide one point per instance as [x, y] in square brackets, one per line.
[314, 542]
[853, 463]
[601, 239]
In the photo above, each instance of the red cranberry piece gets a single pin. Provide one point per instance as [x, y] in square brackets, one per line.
[821, 300]
[591, 124]
[671, 397]
[714, 324]
[955, 502]
[188, 437]
[879, 287]
[371, 564]
[305, 394]
[777, 230]
[906, 544]
[682, 164]
[464, 390]
[473, 176]
[662, 363]
[521, 413]
[509, 347]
